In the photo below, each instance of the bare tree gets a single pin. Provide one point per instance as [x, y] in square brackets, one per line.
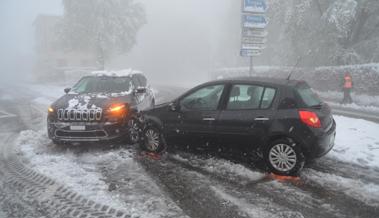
[106, 27]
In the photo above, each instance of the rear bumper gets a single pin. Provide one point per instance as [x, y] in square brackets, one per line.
[87, 132]
[320, 143]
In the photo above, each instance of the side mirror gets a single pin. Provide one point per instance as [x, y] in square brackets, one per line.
[174, 106]
[140, 90]
[67, 90]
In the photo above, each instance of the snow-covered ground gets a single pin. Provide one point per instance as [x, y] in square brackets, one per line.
[357, 141]
[83, 174]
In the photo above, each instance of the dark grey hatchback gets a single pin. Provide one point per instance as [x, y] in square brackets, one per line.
[283, 120]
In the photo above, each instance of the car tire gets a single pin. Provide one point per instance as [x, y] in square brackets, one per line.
[153, 140]
[284, 157]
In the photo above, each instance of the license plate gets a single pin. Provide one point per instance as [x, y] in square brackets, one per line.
[78, 128]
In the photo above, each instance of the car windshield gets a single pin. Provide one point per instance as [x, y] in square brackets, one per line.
[103, 85]
[308, 96]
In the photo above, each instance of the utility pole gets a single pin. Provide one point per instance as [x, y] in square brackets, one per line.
[251, 70]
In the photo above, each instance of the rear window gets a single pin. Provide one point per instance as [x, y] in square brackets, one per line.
[307, 95]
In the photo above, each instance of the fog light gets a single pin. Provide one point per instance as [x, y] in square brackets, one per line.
[117, 131]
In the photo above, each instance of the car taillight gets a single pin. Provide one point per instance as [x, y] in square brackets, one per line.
[310, 118]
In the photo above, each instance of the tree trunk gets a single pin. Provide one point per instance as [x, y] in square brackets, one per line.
[319, 7]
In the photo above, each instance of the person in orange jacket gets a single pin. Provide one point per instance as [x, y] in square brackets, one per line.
[347, 86]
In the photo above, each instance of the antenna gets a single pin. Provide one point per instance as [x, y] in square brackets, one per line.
[293, 68]
[299, 58]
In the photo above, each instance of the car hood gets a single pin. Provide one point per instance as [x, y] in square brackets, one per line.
[90, 101]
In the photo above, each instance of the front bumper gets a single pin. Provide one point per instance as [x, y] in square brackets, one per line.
[87, 131]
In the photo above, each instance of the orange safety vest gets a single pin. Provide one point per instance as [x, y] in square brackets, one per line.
[348, 82]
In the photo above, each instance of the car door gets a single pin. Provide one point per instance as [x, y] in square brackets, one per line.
[199, 110]
[246, 115]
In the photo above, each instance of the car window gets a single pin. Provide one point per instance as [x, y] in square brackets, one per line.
[245, 97]
[102, 85]
[309, 97]
[142, 80]
[206, 98]
[136, 82]
[268, 98]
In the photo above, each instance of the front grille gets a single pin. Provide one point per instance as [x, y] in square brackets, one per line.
[82, 134]
[80, 115]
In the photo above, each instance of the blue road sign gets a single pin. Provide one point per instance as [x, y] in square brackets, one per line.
[254, 21]
[254, 6]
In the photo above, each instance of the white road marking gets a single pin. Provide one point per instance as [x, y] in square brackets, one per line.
[4, 114]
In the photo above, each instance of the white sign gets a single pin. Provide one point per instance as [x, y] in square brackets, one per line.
[254, 21]
[253, 39]
[250, 52]
[254, 6]
[248, 32]
[257, 46]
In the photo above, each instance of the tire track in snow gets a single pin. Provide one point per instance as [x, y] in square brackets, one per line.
[287, 197]
[50, 196]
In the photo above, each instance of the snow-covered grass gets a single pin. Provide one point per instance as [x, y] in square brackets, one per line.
[357, 141]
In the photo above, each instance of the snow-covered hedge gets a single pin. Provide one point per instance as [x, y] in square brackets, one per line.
[366, 77]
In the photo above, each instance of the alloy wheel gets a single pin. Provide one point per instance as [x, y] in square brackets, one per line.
[152, 140]
[282, 157]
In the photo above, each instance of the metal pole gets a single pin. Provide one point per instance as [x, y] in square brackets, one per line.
[251, 70]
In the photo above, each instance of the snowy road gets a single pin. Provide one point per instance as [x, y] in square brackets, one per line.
[182, 183]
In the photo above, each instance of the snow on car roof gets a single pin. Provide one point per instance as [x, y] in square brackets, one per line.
[119, 73]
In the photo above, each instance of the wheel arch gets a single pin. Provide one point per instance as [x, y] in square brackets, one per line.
[153, 121]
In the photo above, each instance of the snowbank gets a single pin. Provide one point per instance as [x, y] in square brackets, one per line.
[357, 141]
[366, 77]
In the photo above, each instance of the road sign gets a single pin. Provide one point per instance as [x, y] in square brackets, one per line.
[248, 32]
[254, 6]
[253, 39]
[250, 52]
[254, 21]
[258, 46]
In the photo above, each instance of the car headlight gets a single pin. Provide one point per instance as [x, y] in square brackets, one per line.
[50, 110]
[118, 110]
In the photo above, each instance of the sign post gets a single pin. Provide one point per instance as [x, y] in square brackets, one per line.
[254, 23]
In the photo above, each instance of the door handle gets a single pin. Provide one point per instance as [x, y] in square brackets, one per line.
[209, 119]
[262, 119]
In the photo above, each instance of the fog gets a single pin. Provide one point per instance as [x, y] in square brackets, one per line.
[180, 41]
[17, 34]
[179, 44]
